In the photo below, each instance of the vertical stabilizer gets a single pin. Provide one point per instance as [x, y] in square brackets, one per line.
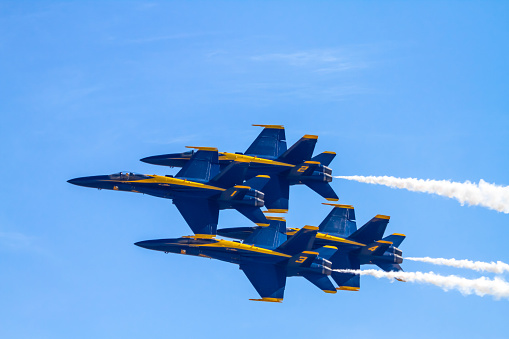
[271, 142]
[340, 221]
[271, 236]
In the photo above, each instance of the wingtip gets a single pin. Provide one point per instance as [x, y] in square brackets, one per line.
[269, 300]
[270, 126]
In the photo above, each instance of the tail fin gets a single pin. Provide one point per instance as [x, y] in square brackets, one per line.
[302, 241]
[371, 231]
[321, 281]
[254, 214]
[204, 164]
[340, 221]
[277, 194]
[248, 193]
[324, 189]
[270, 142]
[301, 151]
[389, 267]
[246, 199]
[324, 158]
[376, 248]
[233, 174]
[271, 236]
[258, 182]
[346, 261]
[395, 238]
[305, 259]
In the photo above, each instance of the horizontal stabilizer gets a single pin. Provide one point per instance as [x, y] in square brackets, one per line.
[269, 280]
[233, 174]
[270, 142]
[271, 236]
[327, 251]
[324, 158]
[388, 267]
[345, 261]
[376, 248]
[200, 214]
[204, 164]
[340, 221]
[395, 238]
[258, 183]
[321, 281]
[277, 193]
[347, 281]
[302, 241]
[254, 214]
[371, 231]
[324, 189]
[301, 151]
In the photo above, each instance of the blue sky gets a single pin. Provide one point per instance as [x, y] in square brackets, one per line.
[405, 89]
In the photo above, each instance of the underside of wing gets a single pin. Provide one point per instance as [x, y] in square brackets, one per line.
[200, 214]
[269, 280]
[277, 194]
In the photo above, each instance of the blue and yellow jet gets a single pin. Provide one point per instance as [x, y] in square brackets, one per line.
[268, 155]
[199, 190]
[266, 257]
[355, 246]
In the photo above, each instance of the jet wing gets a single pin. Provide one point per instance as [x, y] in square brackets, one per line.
[204, 164]
[269, 280]
[277, 194]
[200, 214]
[270, 142]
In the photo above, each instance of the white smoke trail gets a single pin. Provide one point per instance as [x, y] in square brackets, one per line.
[498, 267]
[483, 194]
[497, 287]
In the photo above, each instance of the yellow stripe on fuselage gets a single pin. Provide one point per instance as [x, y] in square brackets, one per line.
[247, 158]
[337, 239]
[157, 179]
[239, 246]
[326, 236]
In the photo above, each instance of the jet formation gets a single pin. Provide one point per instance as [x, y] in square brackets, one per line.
[267, 253]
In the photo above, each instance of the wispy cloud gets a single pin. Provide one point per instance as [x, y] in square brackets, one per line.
[177, 36]
[15, 240]
[324, 61]
[174, 140]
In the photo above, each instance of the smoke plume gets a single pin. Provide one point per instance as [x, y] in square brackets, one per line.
[497, 287]
[483, 194]
[498, 267]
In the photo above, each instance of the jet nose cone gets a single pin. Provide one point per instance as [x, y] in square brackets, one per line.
[165, 245]
[144, 244]
[94, 181]
[156, 160]
[78, 181]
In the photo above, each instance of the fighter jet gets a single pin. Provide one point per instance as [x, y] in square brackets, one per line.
[355, 246]
[268, 155]
[199, 190]
[266, 257]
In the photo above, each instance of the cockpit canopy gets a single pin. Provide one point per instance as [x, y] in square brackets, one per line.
[128, 176]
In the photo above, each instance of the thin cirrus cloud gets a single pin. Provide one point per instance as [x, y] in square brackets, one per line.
[324, 61]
